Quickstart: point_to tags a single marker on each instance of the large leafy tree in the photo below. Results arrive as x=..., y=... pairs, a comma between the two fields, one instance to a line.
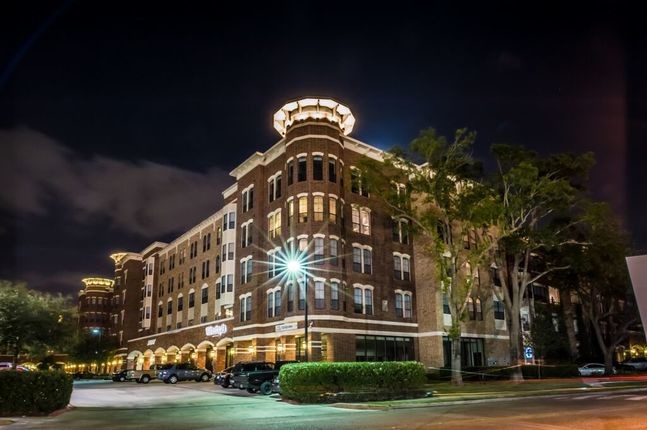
x=33, y=322
x=597, y=274
x=434, y=188
x=92, y=348
x=530, y=191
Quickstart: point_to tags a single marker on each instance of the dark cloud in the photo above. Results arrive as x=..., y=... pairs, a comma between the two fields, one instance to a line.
x=143, y=197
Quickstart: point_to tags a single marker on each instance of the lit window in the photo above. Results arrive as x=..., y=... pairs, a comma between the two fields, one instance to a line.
x=303, y=209
x=318, y=208
x=361, y=218
x=332, y=210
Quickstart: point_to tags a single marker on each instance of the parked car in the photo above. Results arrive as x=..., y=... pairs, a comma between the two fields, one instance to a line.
x=239, y=374
x=143, y=376
x=262, y=380
x=223, y=378
x=639, y=363
x=9, y=366
x=276, y=383
x=84, y=375
x=121, y=376
x=591, y=369
x=173, y=372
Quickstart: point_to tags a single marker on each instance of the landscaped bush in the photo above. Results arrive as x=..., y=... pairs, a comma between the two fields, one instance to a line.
x=326, y=382
x=33, y=393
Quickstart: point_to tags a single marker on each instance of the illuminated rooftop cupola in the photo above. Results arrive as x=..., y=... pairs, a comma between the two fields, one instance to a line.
x=98, y=283
x=314, y=108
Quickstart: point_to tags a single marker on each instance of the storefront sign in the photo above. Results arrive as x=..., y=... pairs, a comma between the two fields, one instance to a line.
x=286, y=327
x=150, y=342
x=216, y=330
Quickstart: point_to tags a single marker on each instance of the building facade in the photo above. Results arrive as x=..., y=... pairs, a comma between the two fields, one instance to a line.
x=95, y=305
x=222, y=292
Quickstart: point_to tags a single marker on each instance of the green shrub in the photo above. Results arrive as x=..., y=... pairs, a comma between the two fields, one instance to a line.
x=320, y=382
x=529, y=371
x=33, y=393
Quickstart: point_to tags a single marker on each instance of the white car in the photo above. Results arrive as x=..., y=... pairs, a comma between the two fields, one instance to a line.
x=591, y=369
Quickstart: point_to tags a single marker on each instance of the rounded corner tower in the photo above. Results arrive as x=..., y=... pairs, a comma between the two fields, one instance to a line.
x=315, y=109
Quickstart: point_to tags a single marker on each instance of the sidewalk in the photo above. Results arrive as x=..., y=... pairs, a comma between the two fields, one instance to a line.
x=445, y=393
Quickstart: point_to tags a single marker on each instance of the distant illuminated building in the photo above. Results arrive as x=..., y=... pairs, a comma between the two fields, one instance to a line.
x=94, y=305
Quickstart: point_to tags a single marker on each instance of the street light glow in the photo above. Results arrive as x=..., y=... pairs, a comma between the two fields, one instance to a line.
x=294, y=266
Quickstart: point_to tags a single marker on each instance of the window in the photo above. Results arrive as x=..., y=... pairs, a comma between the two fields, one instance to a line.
x=271, y=263
x=403, y=304
x=191, y=299
x=192, y=274
x=303, y=209
x=478, y=309
x=274, y=224
x=246, y=270
x=334, y=252
x=230, y=283
x=171, y=264
x=205, y=295
x=317, y=168
x=217, y=264
x=218, y=235
x=302, y=294
x=319, y=295
x=274, y=303
x=446, y=309
x=246, y=308
x=357, y=259
x=205, y=269
x=230, y=251
x=274, y=187
x=363, y=300
x=270, y=304
x=332, y=170
x=247, y=199
x=290, y=169
x=160, y=310
x=361, y=217
x=401, y=231
x=224, y=252
x=332, y=210
x=180, y=303
x=334, y=295
x=182, y=255
x=358, y=183
x=383, y=348
x=246, y=234
x=319, y=251
x=401, y=267
x=169, y=307
x=302, y=169
x=277, y=302
x=225, y=222
x=318, y=208
x=232, y=220
x=290, y=288
x=291, y=212
x=499, y=310
x=206, y=242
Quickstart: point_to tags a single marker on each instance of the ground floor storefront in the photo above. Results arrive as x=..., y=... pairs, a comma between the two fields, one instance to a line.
x=222, y=343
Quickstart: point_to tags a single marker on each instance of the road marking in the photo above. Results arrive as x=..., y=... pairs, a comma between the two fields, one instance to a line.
x=636, y=398
x=583, y=397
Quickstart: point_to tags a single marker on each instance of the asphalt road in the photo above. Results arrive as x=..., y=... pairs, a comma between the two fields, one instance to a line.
x=193, y=405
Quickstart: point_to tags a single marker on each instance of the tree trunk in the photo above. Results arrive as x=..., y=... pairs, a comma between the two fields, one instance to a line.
x=569, y=322
x=608, y=361
x=457, y=376
x=516, y=358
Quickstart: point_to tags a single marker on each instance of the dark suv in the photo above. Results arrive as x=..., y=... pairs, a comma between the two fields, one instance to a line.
x=241, y=370
x=172, y=373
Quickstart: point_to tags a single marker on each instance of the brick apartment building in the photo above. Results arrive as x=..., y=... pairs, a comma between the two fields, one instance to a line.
x=95, y=305
x=219, y=293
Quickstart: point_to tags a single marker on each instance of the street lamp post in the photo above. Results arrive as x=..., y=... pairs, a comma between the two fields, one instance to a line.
x=295, y=268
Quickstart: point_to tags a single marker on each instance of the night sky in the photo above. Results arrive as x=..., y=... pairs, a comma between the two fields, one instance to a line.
x=119, y=122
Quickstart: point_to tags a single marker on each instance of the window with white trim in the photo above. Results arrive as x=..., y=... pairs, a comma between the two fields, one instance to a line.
x=318, y=208
x=246, y=234
x=302, y=169
x=205, y=294
x=332, y=210
x=247, y=199
x=358, y=184
x=274, y=302
x=274, y=224
x=361, y=217
x=180, y=303
x=303, y=209
x=290, y=212
x=401, y=267
x=317, y=168
x=332, y=169
x=319, y=250
x=334, y=295
x=362, y=259
x=246, y=270
x=403, y=304
x=290, y=169
x=191, y=299
x=274, y=187
x=230, y=283
x=246, y=307
x=230, y=251
x=290, y=288
x=363, y=299
x=320, y=296
x=271, y=263
x=401, y=230
x=334, y=252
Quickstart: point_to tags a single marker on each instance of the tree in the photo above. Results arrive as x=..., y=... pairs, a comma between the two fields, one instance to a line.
x=446, y=208
x=597, y=274
x=530, y=191
x=547, y=332
x=92, y=348
x=33, y=322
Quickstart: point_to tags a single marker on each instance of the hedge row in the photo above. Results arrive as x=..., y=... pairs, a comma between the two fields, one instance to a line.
x=33, y=393
x=325, y=382
x=529, y=371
